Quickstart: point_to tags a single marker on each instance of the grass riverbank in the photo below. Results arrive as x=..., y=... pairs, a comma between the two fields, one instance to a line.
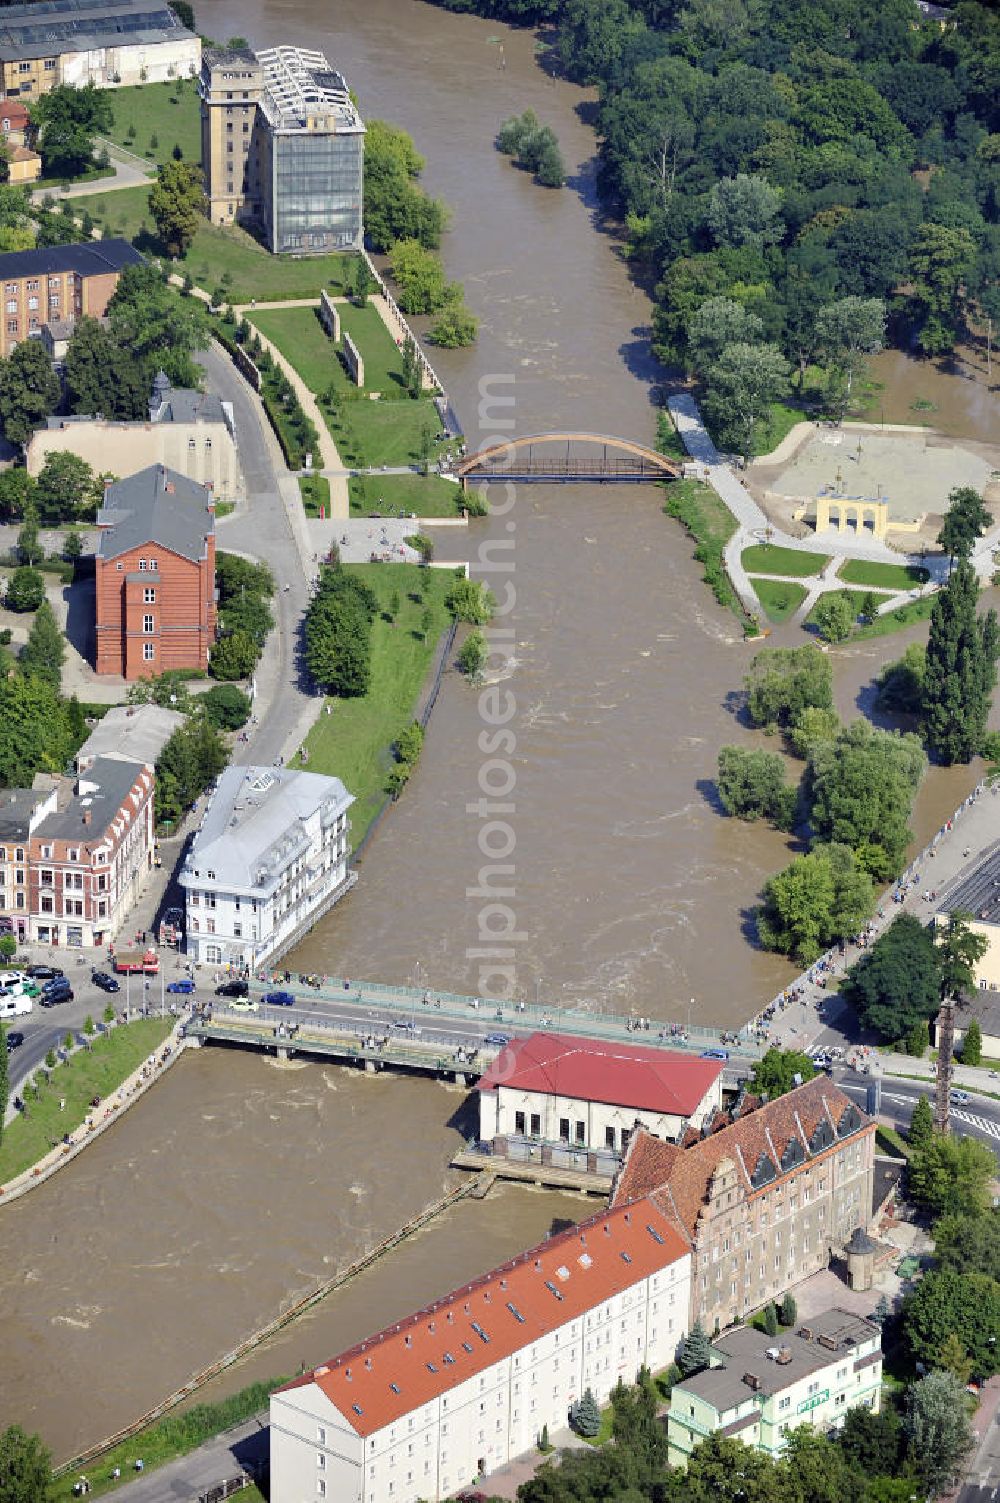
x=711, y=524
x=97, y=1071
x=174, y=1435
x=354, y=740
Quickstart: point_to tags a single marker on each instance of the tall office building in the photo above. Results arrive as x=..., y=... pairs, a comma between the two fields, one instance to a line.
x=282, y=148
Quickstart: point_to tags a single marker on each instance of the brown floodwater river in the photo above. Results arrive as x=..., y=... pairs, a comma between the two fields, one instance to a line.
x=236, y=1185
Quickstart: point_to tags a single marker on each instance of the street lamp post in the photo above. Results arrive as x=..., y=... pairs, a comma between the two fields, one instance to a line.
x=128, y=996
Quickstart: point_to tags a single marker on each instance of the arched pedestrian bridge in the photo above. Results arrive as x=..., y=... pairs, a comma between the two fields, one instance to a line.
x=559, y=458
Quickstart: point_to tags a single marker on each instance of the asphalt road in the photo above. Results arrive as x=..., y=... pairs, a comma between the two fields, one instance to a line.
x=978, y=1118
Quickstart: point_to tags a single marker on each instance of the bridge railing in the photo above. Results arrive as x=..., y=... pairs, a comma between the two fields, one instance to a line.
x=519, y=1015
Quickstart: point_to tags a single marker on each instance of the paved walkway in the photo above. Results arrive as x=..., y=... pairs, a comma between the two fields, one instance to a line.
x=754, y=526
x=127, y=174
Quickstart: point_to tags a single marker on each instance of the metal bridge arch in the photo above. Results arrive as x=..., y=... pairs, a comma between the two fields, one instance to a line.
x=498, y=460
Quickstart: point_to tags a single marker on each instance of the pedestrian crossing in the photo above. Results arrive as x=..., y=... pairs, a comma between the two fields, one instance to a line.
x=982, y=1124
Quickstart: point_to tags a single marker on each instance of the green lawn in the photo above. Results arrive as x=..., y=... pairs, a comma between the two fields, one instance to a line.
x=710, y=523
x=95, y=1072
x=388, y=495
x=779, y=422
x=877, y=576
x=315, y=493
x=765, y=558
x=779, y=598
x=255, y=273
x=168, y=111
x=353, y=742
x=391, y=433
x=882, y=626
x=301, y=338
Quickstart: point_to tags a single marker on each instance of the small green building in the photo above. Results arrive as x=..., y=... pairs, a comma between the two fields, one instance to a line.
x=760, y=1387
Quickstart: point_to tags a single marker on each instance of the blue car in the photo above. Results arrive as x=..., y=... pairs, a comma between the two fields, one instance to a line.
x=185, y=985
x=279, y=999
x=715, y=1054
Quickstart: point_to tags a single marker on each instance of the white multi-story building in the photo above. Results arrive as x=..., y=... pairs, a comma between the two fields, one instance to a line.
x=593, y=1094
x=460, y=1388
x=269, y=859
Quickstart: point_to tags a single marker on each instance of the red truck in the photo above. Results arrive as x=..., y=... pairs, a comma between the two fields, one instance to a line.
x=136, y=962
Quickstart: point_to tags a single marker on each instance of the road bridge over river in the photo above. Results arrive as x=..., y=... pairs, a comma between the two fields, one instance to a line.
x=409, y=1028
x=560, y=458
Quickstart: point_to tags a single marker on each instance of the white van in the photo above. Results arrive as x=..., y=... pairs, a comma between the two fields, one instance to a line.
x=14, y=1006
x=12, y=981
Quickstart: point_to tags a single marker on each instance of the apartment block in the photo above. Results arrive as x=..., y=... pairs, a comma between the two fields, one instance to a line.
x=443, y=1398
x=763, y=1200
x=21, y=810
x=89, y=856
x=58, y=283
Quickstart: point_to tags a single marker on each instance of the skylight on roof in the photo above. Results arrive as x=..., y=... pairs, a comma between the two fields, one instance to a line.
x=480, y=1332
x=625, y=1258
x=562, y=1272
x=515, y=1312
x=449, y=1359
x=467, y=1346
x=431, y=1368
x=394, y=1387
x=655, y=1235
x=357, y=1409
x=552, y=1289
x=585, y=1260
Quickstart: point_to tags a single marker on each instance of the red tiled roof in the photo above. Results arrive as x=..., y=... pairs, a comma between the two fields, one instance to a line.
x=14, y=113
x=679, y=1178
x=469, y=1330
x=656, y=1080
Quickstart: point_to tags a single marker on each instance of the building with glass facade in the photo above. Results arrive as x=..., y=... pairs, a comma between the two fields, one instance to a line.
x=283, y=147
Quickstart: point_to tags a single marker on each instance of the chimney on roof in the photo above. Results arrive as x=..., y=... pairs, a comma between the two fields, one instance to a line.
x=408, y=1340
x=607, y=1230
x=430, y=1325
x=538, y=1265
x=628, y=1217
x=347, y=1373
x=368, y=1364
x=503, y=1283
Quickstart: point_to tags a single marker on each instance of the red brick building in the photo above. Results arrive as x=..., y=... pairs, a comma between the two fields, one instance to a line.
x=155, y=575
x=58, y=284
x=88, y=858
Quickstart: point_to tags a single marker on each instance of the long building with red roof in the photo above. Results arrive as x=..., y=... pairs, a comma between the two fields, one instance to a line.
x=593, y=1093
x=455, y=1391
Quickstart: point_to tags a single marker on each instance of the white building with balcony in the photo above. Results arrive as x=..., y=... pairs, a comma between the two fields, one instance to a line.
x=269, y=859
x=455, y=1391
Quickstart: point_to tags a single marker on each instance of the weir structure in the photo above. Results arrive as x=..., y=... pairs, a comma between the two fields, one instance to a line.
x=555, y=459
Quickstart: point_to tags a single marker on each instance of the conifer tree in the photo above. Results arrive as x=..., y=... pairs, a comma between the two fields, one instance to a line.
x=972, y=1044
x=44, y=651
x=961, y=669
x=921, y=1124
x=587, y=1415
x=696, y=1353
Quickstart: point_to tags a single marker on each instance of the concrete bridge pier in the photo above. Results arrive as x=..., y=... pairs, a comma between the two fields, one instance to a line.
x=461, y=1079
x=283, y=1052
x=371, y=1066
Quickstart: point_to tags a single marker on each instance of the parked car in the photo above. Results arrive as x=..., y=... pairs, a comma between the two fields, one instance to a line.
x=184, y=985
x=56, y=991
x=243, y=1004
x=106, y=981
x=406, y=1025
x=715, y=1054
x=43, y=972
x=173, y=916
x=233, y=989
x=14, y=1039
x=958, y=1098
x=497, y=1038
x=279, y=999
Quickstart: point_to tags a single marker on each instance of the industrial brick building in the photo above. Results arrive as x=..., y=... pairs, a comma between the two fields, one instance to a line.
x=282, y=148
x=58, y=284
x=155, y=574
x=99, y=42
x=763, y=1200
x=89, y=856
x=455, y=1391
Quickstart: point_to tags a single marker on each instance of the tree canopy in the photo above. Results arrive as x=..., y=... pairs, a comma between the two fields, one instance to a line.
x=896, y=983
x=784, y=681
x=817, y=900
x=862, y=787
x=776, y=1073
x=960, y=669
x=752, y=785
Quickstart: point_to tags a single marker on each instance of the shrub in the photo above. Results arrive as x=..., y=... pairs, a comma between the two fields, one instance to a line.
x=226, y=707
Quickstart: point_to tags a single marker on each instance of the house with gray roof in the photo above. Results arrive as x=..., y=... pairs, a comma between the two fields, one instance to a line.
x=269, y=859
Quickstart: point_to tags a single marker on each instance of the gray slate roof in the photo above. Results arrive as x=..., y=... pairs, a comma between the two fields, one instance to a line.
x=744, y=1350
x=181, y=404
x=253, y=825
x=94, y=259
x=114, y=781
x=16, y=805
x=976, y=891
x=156, y=506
